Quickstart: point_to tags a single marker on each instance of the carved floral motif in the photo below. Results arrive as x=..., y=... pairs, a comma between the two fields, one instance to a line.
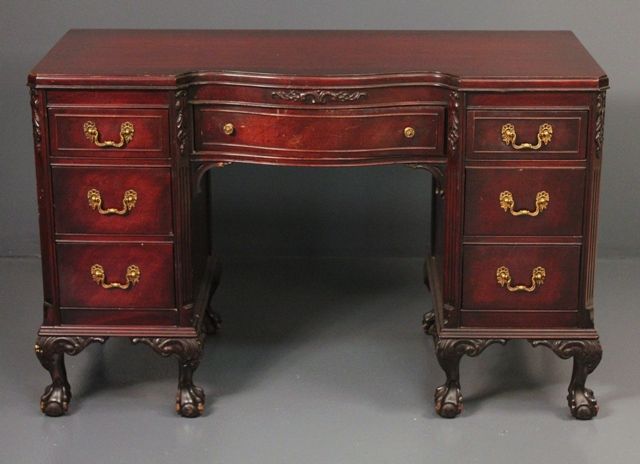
x=453, y=135
x=35, y=112
x=320, y=97
x=600, y=110
x=181, y=130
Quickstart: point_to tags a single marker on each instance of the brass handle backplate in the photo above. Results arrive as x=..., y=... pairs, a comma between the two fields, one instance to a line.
x=126, y=135
x=132, y=277
x=545, y=132
x=503, y=277
x=507, y=203
x=128, y=202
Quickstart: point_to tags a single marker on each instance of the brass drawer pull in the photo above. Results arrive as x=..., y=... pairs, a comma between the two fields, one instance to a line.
x=507, y=203
x=503, y=277
x=126, y=135
x=128, y=202
x=409, y=132
x=545, y=132
x=132, y=277
x=228, y=128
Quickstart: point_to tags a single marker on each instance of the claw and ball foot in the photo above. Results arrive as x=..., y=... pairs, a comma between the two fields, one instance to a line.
x=586, y=356
x=448, y=400
x=50, y=352
x=449, y=351
x=190, y=398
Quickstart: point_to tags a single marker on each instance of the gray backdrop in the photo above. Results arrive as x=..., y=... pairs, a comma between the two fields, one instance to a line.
x=366, y=211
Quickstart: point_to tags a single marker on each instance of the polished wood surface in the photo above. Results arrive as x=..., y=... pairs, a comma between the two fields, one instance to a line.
x=336, y=134
x=559, y=290
x=74, y=215
x=479, y=58
x=508, y=124
x=568, y=140
x=154, y=290
x=149, y=138
x=484, y=215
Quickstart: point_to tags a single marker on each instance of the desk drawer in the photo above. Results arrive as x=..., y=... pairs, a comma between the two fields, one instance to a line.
x=112, y=200
x=524, y=201
x=532, y=277
x=334, y=134
x=139, y=275
x=530, y=134
x=109, y=133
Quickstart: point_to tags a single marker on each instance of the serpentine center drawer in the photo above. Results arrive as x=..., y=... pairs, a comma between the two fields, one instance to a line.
x=110, y=200
x=520, y=277
x=116, y=275
x=527, y=134
x=524, y=201
x=353, y=133
x=110, y=133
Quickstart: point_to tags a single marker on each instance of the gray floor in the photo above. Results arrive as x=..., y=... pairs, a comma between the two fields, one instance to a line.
x=322, y=362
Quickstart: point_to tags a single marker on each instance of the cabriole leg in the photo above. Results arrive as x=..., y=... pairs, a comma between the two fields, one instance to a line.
x=586, y=357
x=50, y=352
x=190, y=398
x=449, y=351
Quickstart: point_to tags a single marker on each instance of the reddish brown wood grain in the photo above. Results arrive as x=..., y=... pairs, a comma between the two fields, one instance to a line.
x=150, y=138
x=321, y=133
x=562, y=216
x=118, y=317
x=485, y=134
x=376, y=91
x=521, y=319
x=318, y=98
x=154, y=290
x=481, y=59
x=73, y=215
x=236, y=76
x=480, y=289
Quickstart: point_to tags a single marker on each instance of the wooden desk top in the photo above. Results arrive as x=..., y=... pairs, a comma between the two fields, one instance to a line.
x=467, y=59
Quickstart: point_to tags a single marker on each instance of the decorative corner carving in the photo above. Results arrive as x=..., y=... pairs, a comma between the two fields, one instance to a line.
x=319, y=97
x=181, y=129
x=453, y=135
x=184, y=348
x=429, y=323
x=586, y=356
x=601, y=102
x=50, y=351
x=448, y=314
x=472, y=347
x=47, y=345
x=190, y=398
x=36, y=109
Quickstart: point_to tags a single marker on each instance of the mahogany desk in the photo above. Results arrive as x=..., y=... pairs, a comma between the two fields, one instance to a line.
x=509, y=124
